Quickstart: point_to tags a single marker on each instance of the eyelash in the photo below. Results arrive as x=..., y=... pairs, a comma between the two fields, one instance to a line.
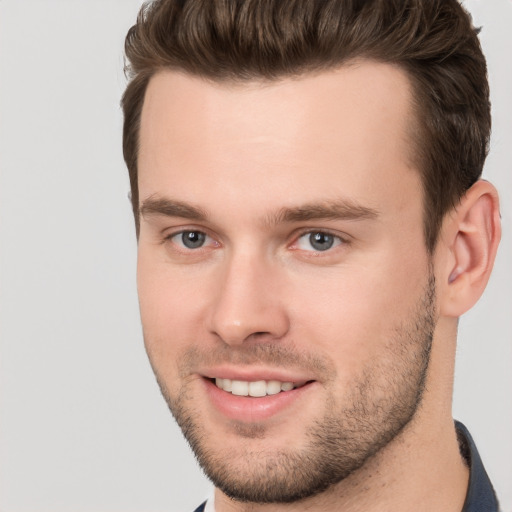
x=337, y=240
x=170, y=236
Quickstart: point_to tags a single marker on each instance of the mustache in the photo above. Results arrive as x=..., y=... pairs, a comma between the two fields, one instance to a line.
x=269, y=354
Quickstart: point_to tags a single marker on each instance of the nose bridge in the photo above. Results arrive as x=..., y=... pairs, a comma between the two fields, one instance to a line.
x=248, y=301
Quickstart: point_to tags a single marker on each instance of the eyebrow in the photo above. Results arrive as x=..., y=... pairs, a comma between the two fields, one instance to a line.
x=323, y=210
x=171, y=208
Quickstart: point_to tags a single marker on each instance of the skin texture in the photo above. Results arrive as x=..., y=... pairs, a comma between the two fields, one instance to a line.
x=369, y=323
x=382, y=399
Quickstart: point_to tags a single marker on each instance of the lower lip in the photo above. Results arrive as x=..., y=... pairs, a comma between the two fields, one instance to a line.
x=250, y=409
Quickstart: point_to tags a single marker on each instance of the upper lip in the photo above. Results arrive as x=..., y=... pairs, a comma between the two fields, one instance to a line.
x=253, y=374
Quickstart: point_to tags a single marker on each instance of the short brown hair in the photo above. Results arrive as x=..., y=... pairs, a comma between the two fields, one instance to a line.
x=434, y=41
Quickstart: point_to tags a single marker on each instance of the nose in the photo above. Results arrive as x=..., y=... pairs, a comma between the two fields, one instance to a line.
x=249, y=304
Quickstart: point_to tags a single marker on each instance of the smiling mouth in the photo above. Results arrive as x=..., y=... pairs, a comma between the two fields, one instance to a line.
x=256, y=389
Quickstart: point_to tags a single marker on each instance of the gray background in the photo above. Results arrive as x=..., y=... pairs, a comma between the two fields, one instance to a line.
x=82, y=424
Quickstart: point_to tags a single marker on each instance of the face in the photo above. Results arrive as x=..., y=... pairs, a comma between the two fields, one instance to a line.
x=285, y=291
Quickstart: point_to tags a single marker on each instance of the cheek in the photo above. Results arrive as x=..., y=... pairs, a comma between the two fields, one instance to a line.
x=353, y=316
x=170, y=308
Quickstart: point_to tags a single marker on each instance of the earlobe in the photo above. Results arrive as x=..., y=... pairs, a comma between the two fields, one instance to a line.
x=474, y=232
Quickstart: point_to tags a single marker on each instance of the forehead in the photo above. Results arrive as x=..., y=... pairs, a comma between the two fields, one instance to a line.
x=345, y=131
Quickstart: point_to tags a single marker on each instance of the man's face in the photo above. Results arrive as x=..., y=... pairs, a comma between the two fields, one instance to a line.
x=281, y=245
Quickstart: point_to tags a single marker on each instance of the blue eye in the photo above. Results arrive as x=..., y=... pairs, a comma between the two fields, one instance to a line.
x=318, y=241
x=190, y=239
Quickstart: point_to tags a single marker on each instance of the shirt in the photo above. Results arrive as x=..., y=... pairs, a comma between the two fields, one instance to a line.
x=480, y=496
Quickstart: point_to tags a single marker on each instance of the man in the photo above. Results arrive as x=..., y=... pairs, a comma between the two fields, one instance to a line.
x=311, y=224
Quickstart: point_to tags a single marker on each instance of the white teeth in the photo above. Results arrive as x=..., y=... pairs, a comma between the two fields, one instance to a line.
x=273, y=387
x=257, y=388
x=224, y=384
x=239, y=388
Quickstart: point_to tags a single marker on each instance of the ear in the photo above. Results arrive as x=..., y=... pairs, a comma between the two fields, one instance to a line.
x=471, y=234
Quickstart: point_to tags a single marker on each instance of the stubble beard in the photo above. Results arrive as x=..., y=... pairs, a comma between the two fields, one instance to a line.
x=384, y=399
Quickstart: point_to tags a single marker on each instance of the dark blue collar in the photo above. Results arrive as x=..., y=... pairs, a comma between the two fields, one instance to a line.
x=480, y=496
